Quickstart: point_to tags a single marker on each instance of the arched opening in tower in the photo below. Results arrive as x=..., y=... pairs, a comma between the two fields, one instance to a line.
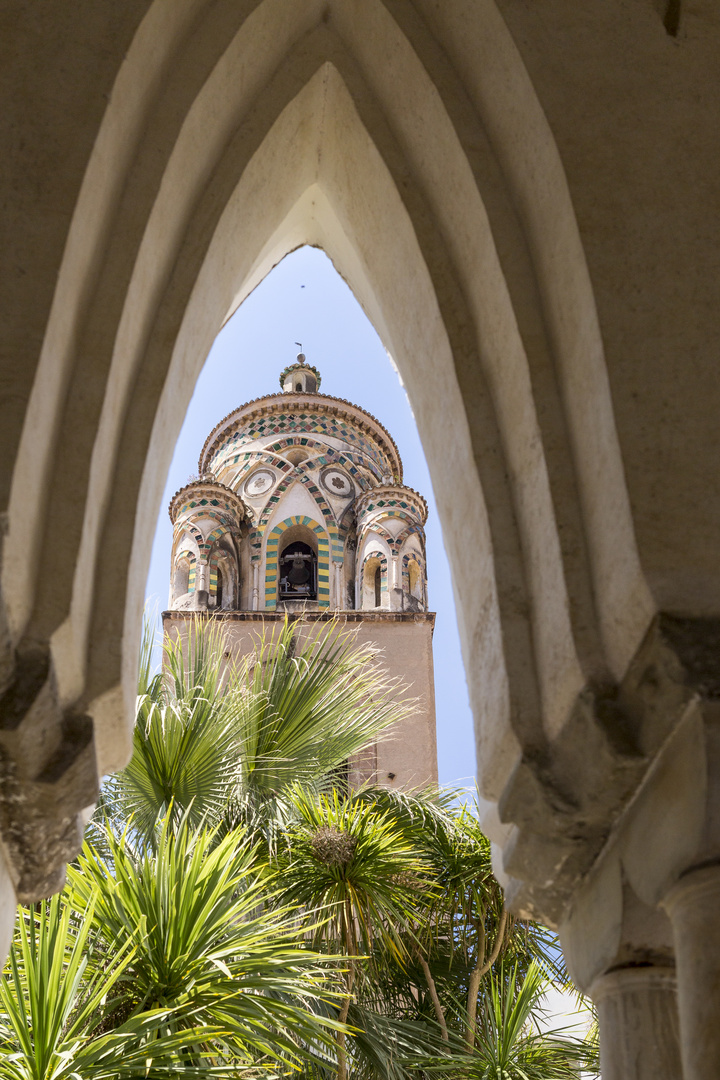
x=297, y=572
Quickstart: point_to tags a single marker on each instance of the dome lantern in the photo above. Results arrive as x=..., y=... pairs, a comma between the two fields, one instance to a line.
x=300, y=377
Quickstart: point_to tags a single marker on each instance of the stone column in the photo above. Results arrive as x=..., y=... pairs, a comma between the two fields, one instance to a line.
x=394, y=590
x=637, y=1011
x=693, y=905
x=202, y=584
x=255, y=586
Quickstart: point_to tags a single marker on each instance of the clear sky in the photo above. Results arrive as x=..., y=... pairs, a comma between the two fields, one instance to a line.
x=305, y=300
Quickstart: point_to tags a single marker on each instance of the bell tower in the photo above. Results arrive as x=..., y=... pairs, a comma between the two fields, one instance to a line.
x=299, y=511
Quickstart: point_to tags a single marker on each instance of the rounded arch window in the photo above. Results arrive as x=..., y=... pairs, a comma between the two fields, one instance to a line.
x=297, y=572
x=373, y=581
x=181, y=577
x=415, y=581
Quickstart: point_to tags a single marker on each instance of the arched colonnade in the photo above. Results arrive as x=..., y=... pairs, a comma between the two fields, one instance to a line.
x=407, y=140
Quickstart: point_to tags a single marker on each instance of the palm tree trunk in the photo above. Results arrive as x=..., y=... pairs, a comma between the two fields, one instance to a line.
x=439, y=1012
x=340, y=1037
x=481, y=968
x=351, y=950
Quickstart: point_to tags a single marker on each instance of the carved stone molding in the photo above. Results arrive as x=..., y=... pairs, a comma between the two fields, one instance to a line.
x=567, y=796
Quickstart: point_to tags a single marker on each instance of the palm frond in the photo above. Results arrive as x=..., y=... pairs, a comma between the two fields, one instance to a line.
x=204, y=940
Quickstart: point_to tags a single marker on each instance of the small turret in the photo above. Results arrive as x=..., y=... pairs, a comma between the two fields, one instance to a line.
x=207, y=518
x=300, y=377
x=390, y=563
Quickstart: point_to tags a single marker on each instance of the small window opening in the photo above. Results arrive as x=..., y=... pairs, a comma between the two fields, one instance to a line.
x=298, y=572
x=378, y=586
x=219, y=590
x=298, y=386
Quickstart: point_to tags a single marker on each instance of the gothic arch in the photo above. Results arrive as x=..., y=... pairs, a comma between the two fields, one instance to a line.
x=313, y=145
x=211, y=538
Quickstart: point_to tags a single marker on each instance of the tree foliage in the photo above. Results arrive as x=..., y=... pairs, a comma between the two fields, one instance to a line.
x=237, y=909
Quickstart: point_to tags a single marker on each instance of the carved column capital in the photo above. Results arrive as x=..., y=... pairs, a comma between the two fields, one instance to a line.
x=48, y=775
x=569, y=796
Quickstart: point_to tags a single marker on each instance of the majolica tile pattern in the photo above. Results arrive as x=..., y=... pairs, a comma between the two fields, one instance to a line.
x=298, y=500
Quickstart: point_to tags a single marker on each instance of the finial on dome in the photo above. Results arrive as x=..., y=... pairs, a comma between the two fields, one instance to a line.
x=300, y=377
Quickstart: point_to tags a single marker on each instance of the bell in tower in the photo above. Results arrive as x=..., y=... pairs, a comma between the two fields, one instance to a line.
x=298, y=566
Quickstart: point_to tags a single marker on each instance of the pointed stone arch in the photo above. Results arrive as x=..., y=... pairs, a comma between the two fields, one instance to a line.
x=184, y=527
x=423, y=164
x=211, y=538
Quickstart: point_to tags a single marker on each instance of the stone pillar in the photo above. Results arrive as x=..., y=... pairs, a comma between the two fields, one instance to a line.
x=693, y=905
x=394, y=590
x=637, y=1011
x=202, y=584
x=255, y=586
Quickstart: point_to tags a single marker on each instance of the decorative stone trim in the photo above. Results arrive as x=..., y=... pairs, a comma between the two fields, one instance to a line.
x=307, y=615
x=202, y=493
x=293, y=402
x=392, y=499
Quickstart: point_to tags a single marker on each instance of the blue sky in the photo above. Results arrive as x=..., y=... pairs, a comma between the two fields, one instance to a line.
x=304, y=299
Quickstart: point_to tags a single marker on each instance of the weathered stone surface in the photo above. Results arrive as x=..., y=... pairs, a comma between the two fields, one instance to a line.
x=639, y=1030
x=568, y=796
x=47, y=776
x=693, y=906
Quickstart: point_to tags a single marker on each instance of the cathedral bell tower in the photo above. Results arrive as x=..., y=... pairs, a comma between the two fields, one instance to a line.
x=299, y=510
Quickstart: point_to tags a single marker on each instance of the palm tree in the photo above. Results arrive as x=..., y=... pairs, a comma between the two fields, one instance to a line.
x=350, y=859
x=196, y=917
x=234, y=788
x=224, y=741
x=57, y=994
x=421, y=1005
x=509, y=1043
x=463, y=927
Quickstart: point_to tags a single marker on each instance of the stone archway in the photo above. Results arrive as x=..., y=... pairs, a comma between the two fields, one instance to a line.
x=407, y=139
x=316, y=145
